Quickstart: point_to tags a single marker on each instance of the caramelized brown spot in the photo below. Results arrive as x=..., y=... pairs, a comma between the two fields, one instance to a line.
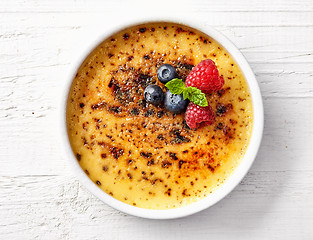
x=180, y=163
x=142, y=30
x=116, y=153
x=146, y=154
x=149, y=112
x=160, y=137
x=168, y=192
x=134, y=112
x=151, y=162
x=126, y=36
x=173, y=156
x=241, y=99
x=177, y=137
x=221, y=109
x=166, y=164
x=98, y=105
x=160, y=114
x=211, y=168
x=220, y=126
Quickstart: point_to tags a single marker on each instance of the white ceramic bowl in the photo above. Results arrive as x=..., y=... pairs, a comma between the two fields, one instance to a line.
x=229, y=184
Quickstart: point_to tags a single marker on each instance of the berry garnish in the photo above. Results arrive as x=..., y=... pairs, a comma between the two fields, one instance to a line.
x=196, y=115
x=177, y=86
x=175, y=103
x=205, y=76
x=166, y=73
x=154, y=94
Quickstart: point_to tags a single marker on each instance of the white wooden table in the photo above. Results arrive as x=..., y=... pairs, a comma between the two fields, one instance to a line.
x=40, y=198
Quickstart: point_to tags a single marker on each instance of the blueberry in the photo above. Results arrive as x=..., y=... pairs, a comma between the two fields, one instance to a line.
x=154, y=94
x=175, y=103
x=166, y=73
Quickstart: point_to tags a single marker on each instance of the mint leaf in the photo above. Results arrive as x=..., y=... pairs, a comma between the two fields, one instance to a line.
x=176, y=86
x=186, y=94
x=199, y=99
x=189, y=91
x=196, y=96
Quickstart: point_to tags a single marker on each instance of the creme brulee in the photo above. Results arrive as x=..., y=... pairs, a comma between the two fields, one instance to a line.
x=142, y=154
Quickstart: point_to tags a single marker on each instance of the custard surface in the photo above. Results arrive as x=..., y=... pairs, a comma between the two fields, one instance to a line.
x=142, y=154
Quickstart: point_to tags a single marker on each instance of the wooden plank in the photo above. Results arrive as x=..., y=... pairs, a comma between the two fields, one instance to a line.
x=196, y=5
x=230, y=19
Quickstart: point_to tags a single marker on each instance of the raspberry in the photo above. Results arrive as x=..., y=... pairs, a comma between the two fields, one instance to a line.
x=205, y=77
x=196, y=115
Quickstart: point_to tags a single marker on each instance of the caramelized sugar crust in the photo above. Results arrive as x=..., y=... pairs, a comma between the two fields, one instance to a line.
x=142, y=154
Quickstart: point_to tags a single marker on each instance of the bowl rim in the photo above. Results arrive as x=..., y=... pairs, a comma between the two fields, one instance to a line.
x=231, y=182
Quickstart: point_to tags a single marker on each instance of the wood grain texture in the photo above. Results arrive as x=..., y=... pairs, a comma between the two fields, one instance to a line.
x=40, y=198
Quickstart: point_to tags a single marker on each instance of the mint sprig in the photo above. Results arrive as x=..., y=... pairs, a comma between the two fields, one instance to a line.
x=177, y=86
